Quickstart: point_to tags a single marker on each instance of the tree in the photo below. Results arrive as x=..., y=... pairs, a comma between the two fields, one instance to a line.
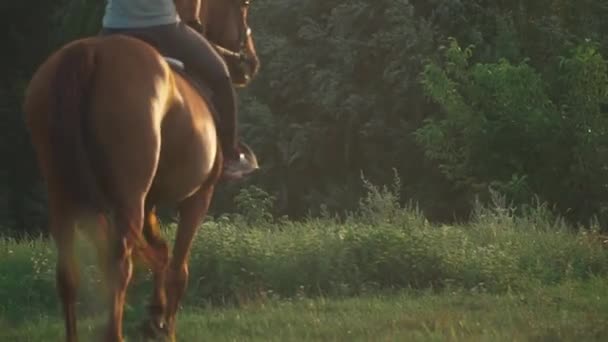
x=503, y=125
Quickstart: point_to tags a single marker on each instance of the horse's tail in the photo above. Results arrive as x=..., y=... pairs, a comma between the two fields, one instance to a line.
x=70, y=139
x=75, y=153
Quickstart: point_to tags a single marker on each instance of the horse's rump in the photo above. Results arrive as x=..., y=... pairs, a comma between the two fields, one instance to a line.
x=96, y=110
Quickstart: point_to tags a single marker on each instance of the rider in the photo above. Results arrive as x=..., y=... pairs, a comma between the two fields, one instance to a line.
x=158, y=23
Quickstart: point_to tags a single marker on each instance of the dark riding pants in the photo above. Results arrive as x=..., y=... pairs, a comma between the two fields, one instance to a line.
x=200, y=58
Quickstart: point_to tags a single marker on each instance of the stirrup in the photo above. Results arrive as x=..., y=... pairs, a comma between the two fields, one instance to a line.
x=249, y=155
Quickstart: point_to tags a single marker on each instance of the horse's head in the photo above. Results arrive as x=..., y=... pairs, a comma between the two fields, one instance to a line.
x=226, y=26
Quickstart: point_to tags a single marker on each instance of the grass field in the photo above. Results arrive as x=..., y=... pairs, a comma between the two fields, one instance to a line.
x=570, y=312
x=384, y=274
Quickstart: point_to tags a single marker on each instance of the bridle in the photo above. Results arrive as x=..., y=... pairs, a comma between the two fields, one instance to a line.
x=244, y=34
x=241, y=54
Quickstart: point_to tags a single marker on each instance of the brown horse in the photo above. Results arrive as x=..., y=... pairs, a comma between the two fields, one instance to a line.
x=118, y=131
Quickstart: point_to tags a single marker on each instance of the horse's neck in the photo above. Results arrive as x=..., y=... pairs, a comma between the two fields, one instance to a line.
x=204, y=15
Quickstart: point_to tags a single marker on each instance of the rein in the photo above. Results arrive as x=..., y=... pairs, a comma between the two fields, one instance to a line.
x=240, y=55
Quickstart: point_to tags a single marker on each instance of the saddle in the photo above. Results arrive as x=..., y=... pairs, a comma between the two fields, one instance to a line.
x=201, y=87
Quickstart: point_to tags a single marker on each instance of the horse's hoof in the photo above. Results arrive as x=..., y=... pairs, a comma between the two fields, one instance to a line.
x=155, y=331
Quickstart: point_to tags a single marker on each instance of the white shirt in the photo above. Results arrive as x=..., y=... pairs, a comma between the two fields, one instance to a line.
x=139, y=13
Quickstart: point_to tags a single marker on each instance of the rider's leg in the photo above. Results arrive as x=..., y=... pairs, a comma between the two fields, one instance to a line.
x=200, y=58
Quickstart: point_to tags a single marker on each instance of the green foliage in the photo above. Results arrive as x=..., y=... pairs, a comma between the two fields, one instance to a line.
x=322, y=108
x=254, y=205
x=328, y=113
x=496, y=118
x=501, y=126
x=498, y=251
x=381, y=205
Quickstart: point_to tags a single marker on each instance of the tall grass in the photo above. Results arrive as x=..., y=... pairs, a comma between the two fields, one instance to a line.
x=381, y=247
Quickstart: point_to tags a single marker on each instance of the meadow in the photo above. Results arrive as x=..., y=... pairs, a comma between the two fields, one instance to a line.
x=381, y=273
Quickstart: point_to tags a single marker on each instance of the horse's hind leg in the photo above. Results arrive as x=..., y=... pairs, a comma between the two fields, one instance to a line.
x=191, y=211
x=120, y=266
x=155, y=326
x=130, y=181
x=62, y=228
